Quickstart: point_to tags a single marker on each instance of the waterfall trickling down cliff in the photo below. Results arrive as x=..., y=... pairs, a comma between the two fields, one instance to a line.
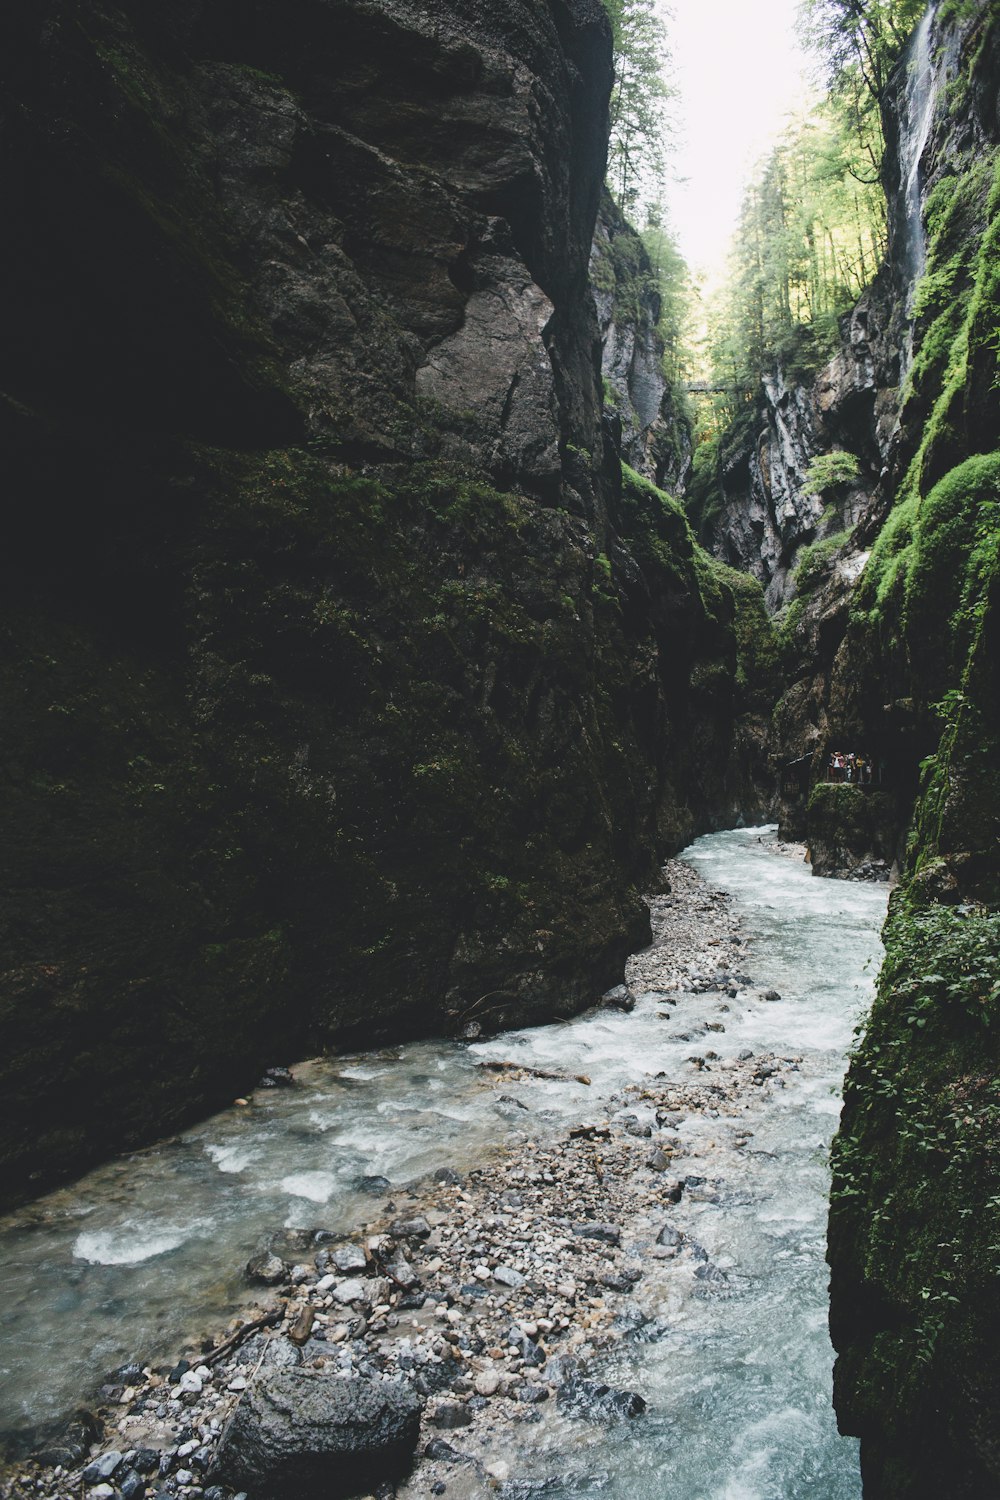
x=920, y=100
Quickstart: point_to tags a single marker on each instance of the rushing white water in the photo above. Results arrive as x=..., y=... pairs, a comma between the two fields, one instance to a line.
x=149, y=1248
x=738, y=1379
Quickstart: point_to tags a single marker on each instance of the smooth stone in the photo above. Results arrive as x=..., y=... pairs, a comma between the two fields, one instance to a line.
x=348, y=1258
x=533, y=1395
x=351, y=1291
x=610, y=1234
x=401, y=1272
x=104, y=1466
x=487, y=1383
x=438, y=1449
x=416, y=1228
x=452, y=1416
x=266, y=1269
x=372, y=1182
x=710, y=1273
x=318, y=1436
x=529, y=1351
x=619, y=998
x=507, y=1276
x=621, y=1281
x=302, y=1327
x=274, y=1353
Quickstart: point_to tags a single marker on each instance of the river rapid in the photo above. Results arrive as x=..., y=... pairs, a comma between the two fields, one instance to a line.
x=148, y=1250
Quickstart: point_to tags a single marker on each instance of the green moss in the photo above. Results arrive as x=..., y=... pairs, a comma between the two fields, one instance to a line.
x=954, y=553
x=758, y=650
x=814, y=562
x=831, y=471
x=915, y=1220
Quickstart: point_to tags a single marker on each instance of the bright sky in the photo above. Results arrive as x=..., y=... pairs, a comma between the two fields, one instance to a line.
x=739, y=71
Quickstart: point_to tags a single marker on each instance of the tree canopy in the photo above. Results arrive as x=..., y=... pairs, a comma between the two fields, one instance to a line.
x=858, y=42
x=639, y=97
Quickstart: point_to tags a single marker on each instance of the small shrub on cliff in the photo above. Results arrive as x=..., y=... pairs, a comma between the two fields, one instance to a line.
x=831, y=471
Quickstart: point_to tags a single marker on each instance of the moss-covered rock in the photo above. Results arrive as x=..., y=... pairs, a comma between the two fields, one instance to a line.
x=347, y=694
x=852, y=831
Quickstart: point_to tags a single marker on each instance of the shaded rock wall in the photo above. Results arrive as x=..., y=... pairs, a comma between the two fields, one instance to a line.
x=338, y=705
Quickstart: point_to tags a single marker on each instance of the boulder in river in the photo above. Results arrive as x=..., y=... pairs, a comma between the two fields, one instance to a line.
x=373, y=1182
x=620, y=998
x=592, y=1398
x=317, y=1437
x=265, y=1269
x=276, y=1078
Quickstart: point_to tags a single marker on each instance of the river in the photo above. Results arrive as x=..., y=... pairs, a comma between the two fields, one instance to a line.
x=148, y=1249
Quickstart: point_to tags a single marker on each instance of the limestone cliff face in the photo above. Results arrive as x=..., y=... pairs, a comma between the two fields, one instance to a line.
x=337, y=705
x=768, y=509
x=651, y=434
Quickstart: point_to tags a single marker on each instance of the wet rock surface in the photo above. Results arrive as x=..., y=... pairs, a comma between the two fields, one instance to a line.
x=317, y=1436
x=471, y=1304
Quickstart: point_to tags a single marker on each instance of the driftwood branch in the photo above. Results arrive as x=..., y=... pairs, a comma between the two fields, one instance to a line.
x=267, y=1321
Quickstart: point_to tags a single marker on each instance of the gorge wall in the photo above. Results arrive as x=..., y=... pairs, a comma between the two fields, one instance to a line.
x=888, y=588
x=349, y=692
x=915, y=1221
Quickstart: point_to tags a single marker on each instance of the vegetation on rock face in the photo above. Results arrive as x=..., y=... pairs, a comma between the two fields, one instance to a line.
x=828, y=471
x=932, y=563
x=915, y=1219
x=813, y=562
x=915, y=1222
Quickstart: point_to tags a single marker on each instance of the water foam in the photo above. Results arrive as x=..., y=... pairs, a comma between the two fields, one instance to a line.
x=130, y=1244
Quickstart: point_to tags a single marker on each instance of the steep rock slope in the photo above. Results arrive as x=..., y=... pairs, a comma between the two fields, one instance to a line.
x=338, y=706
x=915, y=1221
x=653, y=435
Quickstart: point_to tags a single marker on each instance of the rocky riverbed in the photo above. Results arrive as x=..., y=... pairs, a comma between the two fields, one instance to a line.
x=468, y=1306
